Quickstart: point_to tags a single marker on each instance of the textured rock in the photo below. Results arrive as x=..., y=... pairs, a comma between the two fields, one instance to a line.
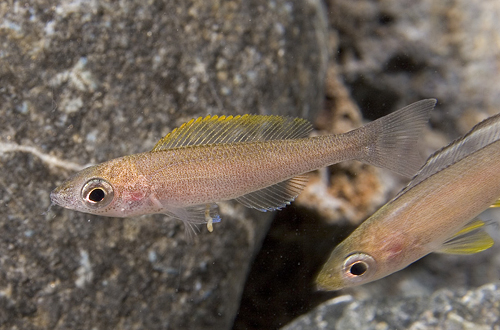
x=445, y=309
x=83, y=82
x=392, y=51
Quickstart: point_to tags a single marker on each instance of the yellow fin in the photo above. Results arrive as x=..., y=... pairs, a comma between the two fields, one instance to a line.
x=496, y=204
x=469, y=240
x=246, y=128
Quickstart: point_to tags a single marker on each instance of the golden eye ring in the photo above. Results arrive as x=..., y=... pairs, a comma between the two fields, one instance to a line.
x=97, y=193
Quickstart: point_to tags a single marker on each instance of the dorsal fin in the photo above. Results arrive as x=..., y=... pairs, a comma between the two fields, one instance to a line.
x=246, y=128
x=483, y=134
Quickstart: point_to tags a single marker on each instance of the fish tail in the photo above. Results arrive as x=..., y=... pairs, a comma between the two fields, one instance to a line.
x=393, y=138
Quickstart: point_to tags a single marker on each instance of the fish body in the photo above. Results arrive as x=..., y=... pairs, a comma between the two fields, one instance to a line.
x=257, y=160
x=436, y=212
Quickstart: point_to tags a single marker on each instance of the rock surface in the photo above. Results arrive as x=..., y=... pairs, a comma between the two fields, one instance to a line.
x=83, y=82
x=445, y=309
x=407, y=50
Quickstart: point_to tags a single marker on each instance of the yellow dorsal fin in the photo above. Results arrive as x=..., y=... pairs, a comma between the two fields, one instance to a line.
x=496, y=204
x=246, y=128
x=469, y=240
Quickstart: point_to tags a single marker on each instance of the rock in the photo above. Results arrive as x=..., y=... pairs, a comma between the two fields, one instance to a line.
x=84, y=82
x=394, y=52
x=445, y=309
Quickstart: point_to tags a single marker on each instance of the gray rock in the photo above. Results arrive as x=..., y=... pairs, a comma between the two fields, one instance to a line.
x=444, y=309
x=84, y=82
x=394, y=52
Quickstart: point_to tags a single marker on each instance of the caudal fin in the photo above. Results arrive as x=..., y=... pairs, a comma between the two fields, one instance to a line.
x=394, y=138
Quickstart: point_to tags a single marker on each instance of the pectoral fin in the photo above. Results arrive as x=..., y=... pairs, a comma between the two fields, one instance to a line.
x=469, y=240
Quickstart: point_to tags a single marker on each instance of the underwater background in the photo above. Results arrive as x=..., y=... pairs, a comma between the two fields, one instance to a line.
x=82, y=82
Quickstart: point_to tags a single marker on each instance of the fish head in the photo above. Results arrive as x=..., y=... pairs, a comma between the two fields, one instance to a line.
x=345, y=269
x=368, y=255
x=111, y=189
x=86, y=191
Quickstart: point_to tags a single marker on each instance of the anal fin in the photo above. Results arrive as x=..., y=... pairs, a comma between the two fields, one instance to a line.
x=469, y=240
x=275, y=197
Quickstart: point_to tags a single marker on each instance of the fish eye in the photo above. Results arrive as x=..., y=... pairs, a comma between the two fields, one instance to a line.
x=358, y=266
x=97, y=193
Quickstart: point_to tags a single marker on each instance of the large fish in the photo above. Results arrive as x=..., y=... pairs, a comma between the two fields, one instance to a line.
x=259, y=161
x=436, y=212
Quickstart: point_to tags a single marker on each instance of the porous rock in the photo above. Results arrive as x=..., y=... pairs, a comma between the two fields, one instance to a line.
x=445, y=309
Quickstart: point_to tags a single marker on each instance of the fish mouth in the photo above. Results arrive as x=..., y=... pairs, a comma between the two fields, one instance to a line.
x=58, y=197
x=55, y=197
x=321, y=287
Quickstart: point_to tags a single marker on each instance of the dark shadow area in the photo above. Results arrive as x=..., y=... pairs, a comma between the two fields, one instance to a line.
x=374, y=101
x=280, y=285
x=404, y=63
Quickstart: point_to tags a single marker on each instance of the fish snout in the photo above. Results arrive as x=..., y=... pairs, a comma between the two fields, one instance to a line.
x=62, y=196
x=55, y=196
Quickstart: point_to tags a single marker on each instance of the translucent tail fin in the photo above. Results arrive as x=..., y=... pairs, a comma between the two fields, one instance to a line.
x=393, y=138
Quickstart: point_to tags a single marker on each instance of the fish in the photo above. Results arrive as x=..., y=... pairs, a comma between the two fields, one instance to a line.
x=436, y=212
x=259, y=161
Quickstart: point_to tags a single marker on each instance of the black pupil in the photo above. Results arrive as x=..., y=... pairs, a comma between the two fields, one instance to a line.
x=97, y=195
x=359, y=268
